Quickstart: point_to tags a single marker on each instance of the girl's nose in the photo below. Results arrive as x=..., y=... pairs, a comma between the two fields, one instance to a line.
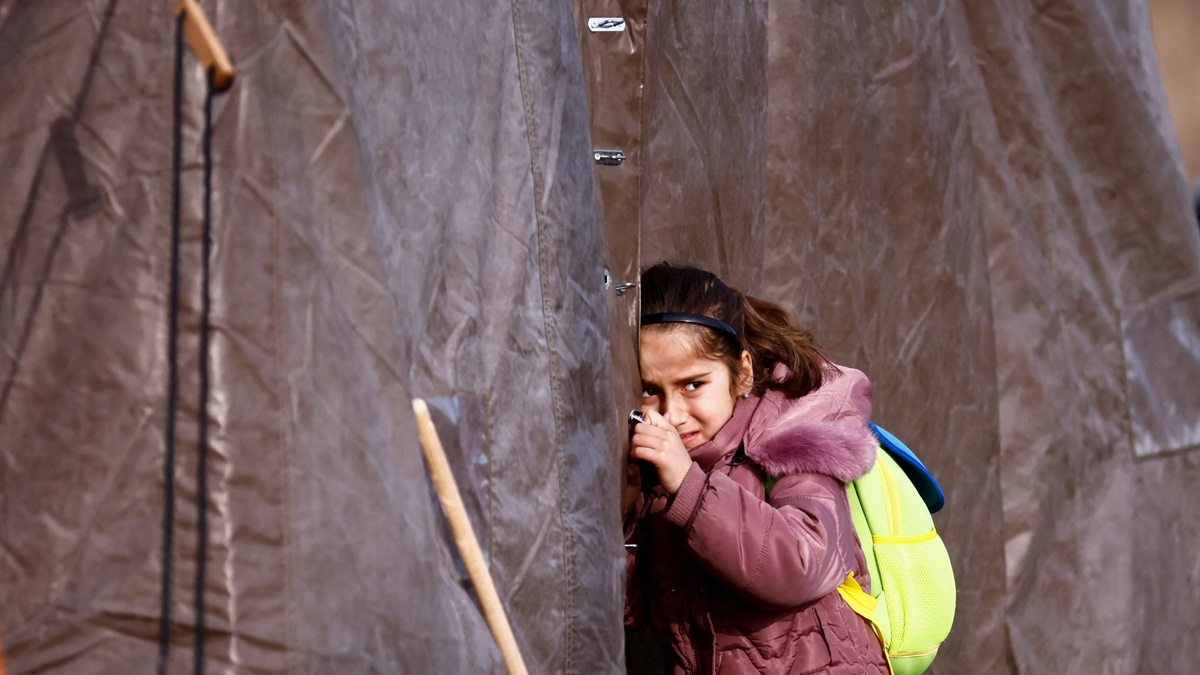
x=673, y=411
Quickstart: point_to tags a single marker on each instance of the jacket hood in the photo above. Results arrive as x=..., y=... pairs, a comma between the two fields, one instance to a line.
x=822, y=432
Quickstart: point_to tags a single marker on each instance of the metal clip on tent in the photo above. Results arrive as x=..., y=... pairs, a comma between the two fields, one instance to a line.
x=606, y=24
x=464, y=538
x=609, y=157
x=203, y=40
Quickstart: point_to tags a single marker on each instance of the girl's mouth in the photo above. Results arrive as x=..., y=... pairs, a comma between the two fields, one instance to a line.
x=688, y=438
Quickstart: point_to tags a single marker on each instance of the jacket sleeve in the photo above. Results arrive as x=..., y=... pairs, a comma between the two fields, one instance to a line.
x=780, y=554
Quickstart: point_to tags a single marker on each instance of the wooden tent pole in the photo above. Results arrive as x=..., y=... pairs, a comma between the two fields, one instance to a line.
x=203, y=40
x=464, y=538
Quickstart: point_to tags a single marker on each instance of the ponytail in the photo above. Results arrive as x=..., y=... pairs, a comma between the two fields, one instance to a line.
x=773, y=337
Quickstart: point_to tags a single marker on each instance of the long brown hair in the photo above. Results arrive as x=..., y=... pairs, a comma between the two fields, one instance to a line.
x=763, y=328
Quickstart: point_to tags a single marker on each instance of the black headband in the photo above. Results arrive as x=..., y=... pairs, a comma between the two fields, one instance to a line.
x=680, y=317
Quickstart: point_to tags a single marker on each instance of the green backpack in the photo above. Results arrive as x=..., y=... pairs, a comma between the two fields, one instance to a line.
x=912, y=599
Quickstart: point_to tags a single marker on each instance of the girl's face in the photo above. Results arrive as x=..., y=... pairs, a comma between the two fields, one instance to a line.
x=695, y=392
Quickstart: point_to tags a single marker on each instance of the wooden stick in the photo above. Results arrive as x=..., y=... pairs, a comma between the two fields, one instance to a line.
x=464, y=538
x=203, y=40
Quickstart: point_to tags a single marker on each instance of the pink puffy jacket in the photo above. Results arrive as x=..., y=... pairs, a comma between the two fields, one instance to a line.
x=734, y=584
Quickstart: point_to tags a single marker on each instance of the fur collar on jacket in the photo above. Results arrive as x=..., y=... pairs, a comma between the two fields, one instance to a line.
x=823, y=432
x=844, y=451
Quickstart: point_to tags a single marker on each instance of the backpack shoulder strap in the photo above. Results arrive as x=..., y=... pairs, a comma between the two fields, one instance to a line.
x=859, y=517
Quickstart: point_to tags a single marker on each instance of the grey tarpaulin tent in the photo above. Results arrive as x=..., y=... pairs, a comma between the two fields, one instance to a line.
x=980, y=204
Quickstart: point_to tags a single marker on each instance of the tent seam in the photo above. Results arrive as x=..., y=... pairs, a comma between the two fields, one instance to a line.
x=550, y=327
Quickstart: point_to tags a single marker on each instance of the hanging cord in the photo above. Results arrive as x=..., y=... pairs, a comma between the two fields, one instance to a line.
x=168, y=526
x=192, y=24
x=205, y=314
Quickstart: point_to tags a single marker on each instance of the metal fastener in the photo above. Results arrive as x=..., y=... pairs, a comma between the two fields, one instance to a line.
x=602, y=24
x=609, y=157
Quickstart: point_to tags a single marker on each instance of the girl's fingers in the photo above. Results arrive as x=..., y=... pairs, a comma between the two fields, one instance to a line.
x=656, y=419
x=656, y=422
x=654, y=444
x=650, y=437
x=648, y=451
x=645, y=453
x=658, y=444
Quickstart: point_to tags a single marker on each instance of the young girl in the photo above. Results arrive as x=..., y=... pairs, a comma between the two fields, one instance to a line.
x=731, y=579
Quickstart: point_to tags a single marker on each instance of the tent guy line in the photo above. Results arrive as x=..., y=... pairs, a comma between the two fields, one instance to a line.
x=190, y=21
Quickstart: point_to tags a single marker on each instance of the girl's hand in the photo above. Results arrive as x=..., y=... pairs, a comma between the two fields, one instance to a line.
x=658, y=443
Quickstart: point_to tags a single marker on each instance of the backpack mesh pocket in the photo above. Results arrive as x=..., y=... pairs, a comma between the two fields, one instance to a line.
x=920, y=594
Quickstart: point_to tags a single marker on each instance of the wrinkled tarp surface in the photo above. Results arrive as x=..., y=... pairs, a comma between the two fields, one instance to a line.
x=981, y=205
x=396, y=214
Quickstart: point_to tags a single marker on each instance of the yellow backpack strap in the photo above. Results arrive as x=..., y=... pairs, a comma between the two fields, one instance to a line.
x=859, y=600
x=863, y=605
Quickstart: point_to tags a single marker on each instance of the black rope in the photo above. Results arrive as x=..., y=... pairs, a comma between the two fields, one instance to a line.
x=168, y=531
x=205, y=313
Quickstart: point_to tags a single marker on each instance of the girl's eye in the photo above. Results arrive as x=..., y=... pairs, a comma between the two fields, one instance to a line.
x=693, y=386
x=649, y=392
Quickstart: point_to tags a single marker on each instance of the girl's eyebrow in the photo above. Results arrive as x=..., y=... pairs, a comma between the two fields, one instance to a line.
x=686, y=379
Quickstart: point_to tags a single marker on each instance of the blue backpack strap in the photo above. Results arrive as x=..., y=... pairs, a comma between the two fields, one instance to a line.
x=927, y=486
